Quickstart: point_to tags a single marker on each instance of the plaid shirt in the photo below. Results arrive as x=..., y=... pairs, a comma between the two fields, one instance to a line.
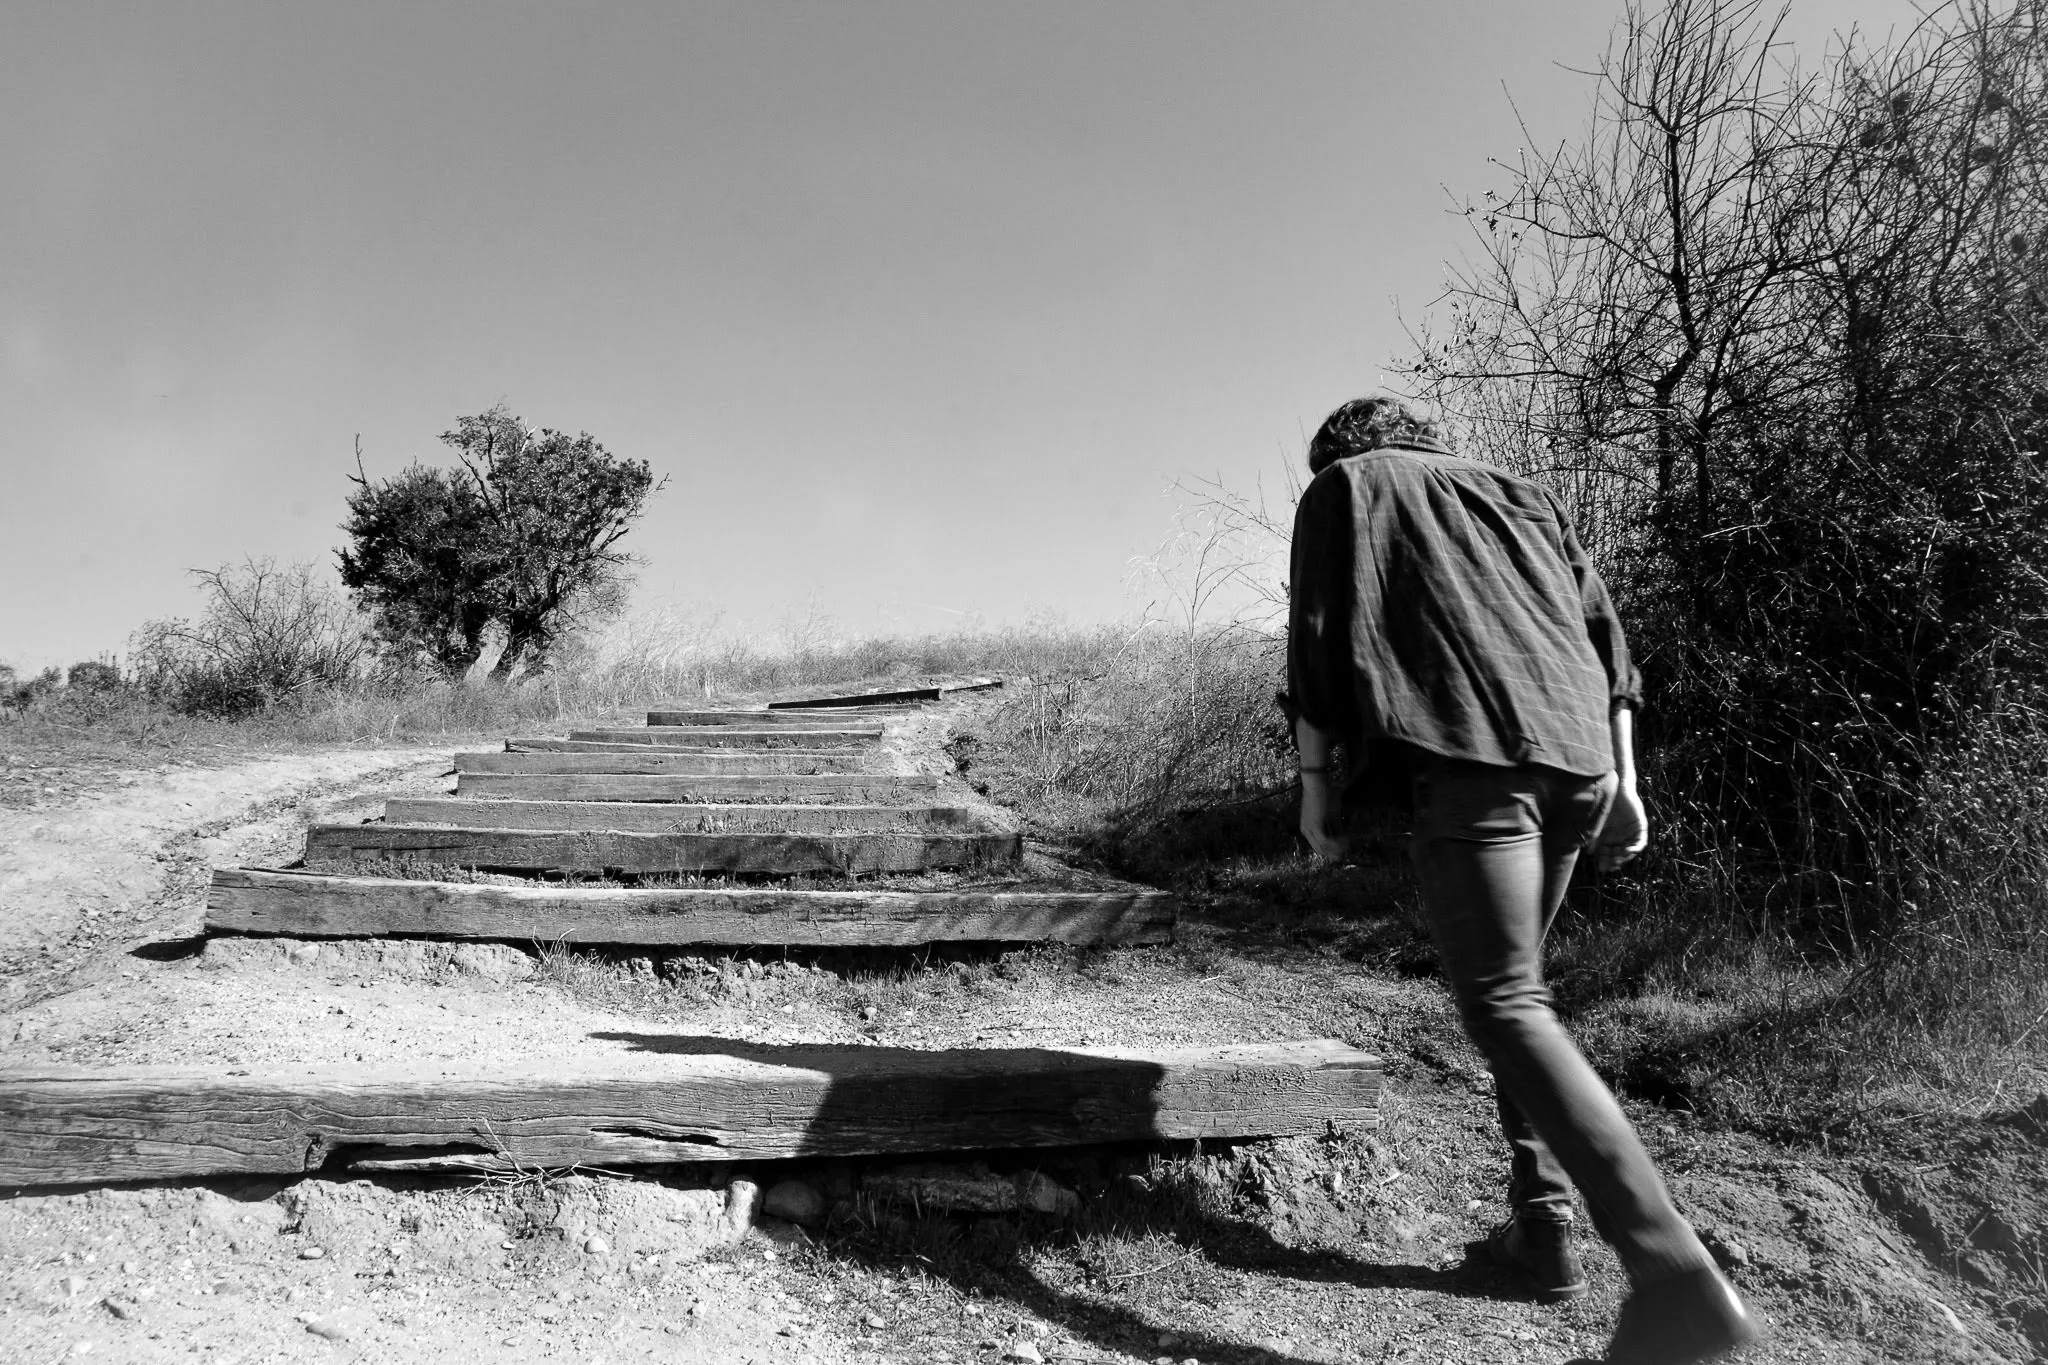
x=1447, y=605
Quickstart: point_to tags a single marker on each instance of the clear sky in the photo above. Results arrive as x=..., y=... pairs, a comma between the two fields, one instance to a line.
x=919, y=306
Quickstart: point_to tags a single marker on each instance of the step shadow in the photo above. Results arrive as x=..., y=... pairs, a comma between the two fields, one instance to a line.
x=1004, y=1269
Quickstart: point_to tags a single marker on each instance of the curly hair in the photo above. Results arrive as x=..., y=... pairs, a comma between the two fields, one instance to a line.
x=1378, y=419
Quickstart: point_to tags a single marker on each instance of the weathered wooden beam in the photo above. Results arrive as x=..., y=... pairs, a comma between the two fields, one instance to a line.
x=732, y=737
x=311, y=905
x=666, y=785
x=530, y=850
x=677, y=818
x=665, y=1097
x=637, y=758
x=784, y=719
x=885, y=698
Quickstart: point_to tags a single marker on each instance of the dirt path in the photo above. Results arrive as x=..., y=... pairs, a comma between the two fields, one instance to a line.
x=1344, y=1249
x=99, y=871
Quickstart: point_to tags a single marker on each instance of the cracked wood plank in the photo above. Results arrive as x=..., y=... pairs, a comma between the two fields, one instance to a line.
x=731, y=737
x=779, y=720
x=677, y=818
x=668, y=785
x=908, y=694
x=658, y=1096
x=315, y=905
x=600, y=851
x=561, y=756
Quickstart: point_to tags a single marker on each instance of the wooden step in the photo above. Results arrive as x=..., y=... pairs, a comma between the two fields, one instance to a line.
x=636, y=758
x=732, y=737
x=780, y=720
x=601, y=851
x=658, y=1097
x=908, y=694
x=312, y=905
x=668, y=785
x=677, y=818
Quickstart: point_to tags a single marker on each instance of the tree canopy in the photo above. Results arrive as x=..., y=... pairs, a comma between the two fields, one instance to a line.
x=521, y=534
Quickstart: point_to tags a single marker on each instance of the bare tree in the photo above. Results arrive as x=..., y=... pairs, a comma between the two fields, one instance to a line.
x=1776, y=337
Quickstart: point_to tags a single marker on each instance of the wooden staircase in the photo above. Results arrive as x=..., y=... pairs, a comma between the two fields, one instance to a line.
x=733, y=828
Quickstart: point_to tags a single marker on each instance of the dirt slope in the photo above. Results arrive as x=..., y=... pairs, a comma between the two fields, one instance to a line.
x=1347, y=1248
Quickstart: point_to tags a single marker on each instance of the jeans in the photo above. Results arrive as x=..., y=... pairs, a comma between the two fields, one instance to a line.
x=1494, y=850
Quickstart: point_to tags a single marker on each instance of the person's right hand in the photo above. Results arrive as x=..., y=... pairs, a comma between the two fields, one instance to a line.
x=1626, y=831
x=1320, y=822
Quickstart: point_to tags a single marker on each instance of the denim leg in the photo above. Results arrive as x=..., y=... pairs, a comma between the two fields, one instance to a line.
x=1538, y=1188
x=1489, y=875
x=1537, y=1185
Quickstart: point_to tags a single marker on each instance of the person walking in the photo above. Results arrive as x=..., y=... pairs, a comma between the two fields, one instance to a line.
x=1448, y=631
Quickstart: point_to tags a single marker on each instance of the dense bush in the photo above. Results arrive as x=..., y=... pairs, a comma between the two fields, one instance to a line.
x=1777, y=337
x=93, y=676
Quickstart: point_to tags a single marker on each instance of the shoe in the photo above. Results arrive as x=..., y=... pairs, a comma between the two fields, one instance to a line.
x=1541, y=1248
x=1691, y=1316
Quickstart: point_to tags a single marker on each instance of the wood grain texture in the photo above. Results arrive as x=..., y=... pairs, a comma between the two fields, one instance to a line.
x=530, y=850
x=310, y=905
x=667, y=785
x=664, y=1097
x=565, y=756
x=677, y=818
x=780, y=720
x=732, y=737
x=908, y=694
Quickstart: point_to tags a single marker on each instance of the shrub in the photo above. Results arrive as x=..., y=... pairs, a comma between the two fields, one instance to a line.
x=93, y=676
x=267, y=637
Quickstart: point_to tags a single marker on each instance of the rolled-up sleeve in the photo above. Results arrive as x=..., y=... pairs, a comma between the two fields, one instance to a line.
x=1320, y=590
x=1603, y=623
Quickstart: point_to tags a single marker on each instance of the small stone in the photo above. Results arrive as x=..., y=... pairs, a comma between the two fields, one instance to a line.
x=875, y=1321
x=596, y=1246
x=305, y=955
x=767, y=1253
x=332, y=1331
x=1039, y=1191
x=74, y=1285
x=1730, y=1254
x=867, y=1014
x=972, y=1310
x=312, y=1253
x=130, y=1267
x=120, y=1308
x=1024, y=1350
x=81, y=1348
x=1166, y=1339
x=507, y=1246
x=795, y=1201
x=742, y=1198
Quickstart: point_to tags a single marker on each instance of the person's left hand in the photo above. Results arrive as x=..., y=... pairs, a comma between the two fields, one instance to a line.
x=1626, y=831
x=1320, y=821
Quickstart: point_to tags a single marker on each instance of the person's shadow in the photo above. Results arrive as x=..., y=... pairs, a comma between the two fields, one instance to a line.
x=898, y=1104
